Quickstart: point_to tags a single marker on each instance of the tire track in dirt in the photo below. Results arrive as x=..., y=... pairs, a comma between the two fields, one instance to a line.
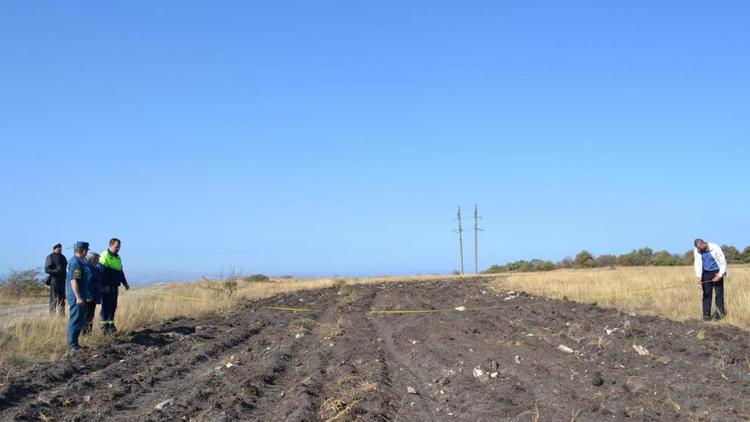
x=291, y=390
x=260, y=384
x=140, y=379
x=335, y=374
x=548, y=381
x=356, y=383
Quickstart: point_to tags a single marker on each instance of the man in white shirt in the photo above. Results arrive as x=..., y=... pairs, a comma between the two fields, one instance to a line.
x=710, y=267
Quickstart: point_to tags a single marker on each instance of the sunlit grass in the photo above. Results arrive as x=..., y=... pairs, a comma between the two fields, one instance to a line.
x=672, y=292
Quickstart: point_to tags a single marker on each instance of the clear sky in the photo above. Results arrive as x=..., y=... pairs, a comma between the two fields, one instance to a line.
x=339, y=137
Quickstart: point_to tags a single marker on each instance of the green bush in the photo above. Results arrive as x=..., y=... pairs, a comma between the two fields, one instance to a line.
x=521, y=266
x=688, y=258
x=637, y=257
x=584, y=259
x=746, y=255
x=606, y=261
x=666, y=259
x=732, y=254
x=256, y=278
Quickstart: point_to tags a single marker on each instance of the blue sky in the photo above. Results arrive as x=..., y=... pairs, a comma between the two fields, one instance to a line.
x=339, y=137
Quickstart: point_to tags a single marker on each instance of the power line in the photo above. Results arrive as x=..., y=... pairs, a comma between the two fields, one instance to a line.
x=460, y=239
x=476, y=238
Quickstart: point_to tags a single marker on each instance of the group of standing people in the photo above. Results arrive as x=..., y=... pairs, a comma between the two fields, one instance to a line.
x=87, y=280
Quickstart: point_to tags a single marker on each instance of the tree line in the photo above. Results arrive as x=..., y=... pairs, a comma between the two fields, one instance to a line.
x=636, y=258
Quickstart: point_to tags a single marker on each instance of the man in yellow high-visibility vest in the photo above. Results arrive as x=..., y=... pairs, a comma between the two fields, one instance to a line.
x=112, y=277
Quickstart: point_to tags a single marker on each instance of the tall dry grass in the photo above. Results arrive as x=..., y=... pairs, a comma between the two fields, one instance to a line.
x=672, y=292
x=26, y=337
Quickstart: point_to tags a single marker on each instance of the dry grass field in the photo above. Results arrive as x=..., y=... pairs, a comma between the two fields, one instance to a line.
x=667, y=291
x=672, y=292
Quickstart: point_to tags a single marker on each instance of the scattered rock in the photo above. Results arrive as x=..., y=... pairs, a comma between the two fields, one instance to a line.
x=493, y=375
x=166, y=403
x=517, y=359
x=640, y=350
x=87, y=398
x=665, y=360
x=596, y=378
x=478, y=372
x=494, y=366
x=298, y=335
x=564, y=348
x=411, y=390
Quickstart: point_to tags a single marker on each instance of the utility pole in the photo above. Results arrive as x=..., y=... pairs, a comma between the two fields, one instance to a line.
x=476, y=239
x=460, y=240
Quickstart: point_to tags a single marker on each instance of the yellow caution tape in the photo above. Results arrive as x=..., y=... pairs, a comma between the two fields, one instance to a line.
x=284, y=308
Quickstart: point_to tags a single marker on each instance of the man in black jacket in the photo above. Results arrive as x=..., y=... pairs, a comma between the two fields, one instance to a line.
x=56, y=266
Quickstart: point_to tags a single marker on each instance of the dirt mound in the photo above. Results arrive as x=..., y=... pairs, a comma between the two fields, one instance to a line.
x=516, y=358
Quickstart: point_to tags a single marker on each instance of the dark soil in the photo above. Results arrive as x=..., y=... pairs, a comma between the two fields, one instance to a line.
x=342, y=363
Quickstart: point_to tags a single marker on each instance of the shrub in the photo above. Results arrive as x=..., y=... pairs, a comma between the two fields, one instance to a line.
x=225, y=284
x=21, y=283
x=521, y=266
x=566, y=262
x=731, y=253
x=584, y=259
x=256, y=278
x=606, y=261
x=746, y=255
x=666, y=259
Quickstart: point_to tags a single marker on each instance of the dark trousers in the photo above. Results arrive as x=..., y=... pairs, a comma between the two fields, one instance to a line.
x=90, y=312
x=109, y=306
x=57, y=297
x=708, y=288
x=75, y=324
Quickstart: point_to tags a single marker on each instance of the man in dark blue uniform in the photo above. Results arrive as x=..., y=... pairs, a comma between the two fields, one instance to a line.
x=77, y=294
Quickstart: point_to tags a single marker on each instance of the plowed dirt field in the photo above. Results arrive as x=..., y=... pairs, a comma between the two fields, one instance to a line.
x=500, y=356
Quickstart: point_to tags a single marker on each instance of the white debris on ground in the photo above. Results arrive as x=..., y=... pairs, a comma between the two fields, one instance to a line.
x=564, y=348
x=460, y=308
x=610, y=331
x=166, y=403
x=640, y=350
x=411, y=390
